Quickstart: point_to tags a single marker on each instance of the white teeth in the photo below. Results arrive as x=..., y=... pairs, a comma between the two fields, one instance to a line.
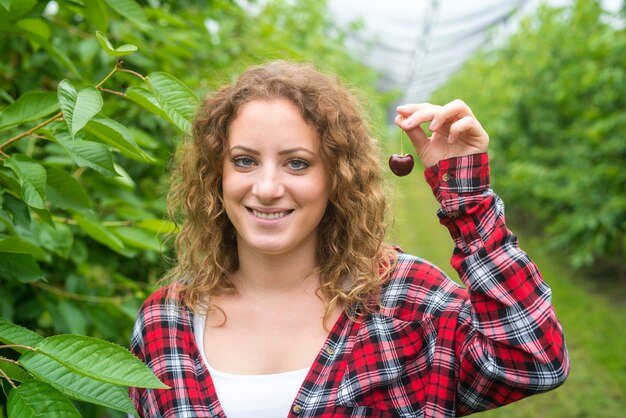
x=265, y=215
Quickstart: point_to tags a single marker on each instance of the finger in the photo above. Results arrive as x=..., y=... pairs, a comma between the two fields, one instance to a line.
x=468, y=129
x=418, y=137
x=410, y=108
x=420, y=115
x=449, y=113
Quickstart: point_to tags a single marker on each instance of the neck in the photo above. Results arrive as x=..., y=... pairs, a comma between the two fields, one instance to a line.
x=276, y=275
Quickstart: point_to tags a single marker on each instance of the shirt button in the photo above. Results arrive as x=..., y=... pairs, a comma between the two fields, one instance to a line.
x=446, y=177
x=330, y=351
x=454, y=214
x=296, y=409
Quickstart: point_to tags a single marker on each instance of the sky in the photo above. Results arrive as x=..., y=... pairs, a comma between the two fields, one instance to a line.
x=417, y=44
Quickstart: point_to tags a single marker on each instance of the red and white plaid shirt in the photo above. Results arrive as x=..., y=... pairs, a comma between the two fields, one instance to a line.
x=434, y=349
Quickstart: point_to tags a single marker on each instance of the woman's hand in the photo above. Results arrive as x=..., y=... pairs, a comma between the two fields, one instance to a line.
x=455, y=130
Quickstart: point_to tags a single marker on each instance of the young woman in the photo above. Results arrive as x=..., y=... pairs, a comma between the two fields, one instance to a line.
x=286, y=300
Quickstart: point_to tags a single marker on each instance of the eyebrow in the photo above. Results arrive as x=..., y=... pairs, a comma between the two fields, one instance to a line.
x=283, y=152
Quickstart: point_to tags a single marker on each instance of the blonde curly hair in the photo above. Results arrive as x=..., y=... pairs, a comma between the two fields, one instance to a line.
x=354, y=258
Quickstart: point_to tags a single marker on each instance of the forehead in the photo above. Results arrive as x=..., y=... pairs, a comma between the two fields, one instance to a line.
x=277, y=121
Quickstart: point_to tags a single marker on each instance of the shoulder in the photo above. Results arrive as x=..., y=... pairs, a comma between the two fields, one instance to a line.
x=163, y=309
x=418, y=289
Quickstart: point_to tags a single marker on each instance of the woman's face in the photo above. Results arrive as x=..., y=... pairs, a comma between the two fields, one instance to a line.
x=274, y=184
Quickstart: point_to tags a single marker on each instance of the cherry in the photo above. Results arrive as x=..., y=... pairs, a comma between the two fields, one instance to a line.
x=401, y=165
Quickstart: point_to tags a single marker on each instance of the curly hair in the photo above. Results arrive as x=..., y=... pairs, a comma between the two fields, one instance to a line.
x=354, y=258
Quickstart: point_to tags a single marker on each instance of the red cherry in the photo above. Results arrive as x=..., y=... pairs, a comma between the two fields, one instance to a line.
x=401, y=165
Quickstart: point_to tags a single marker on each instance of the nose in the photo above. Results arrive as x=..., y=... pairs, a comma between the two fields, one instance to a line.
x=268, y=185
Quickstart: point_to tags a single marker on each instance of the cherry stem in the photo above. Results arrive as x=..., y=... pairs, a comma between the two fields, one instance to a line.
x=401, y=131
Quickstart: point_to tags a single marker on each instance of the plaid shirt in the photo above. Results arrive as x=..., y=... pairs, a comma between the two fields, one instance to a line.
x=434, y=349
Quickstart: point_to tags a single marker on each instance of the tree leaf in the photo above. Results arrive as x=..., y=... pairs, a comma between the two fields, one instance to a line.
x=146, y=99
x=139, y=238
x=110, y=50
x=78, y=107
x=64, y=191
x=96, y=13
x=37, y=399
x=29, y=107
x=67, y=94
x=75, y=385
x=60, y=56
x=87, y=153
x=131, y=11
x=19, y=245
x=100, y=360
x=20, y=8
x=176, y=99
x=14, y=371
x=15, y=334
x=88, y=104
x=160, y=226
x=56, y=238
x=20, y=267
x=116, y=135
x=97, y=231
x=32, y=177
x=35, y=26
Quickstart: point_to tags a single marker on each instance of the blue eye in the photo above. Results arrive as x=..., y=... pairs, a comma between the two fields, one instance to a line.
x=297, y=164
x=244, y=162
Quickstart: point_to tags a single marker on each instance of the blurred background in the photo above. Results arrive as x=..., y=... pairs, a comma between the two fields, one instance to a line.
x=546, y=80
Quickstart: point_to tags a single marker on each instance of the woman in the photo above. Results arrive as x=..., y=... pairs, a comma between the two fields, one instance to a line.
x=286, y=300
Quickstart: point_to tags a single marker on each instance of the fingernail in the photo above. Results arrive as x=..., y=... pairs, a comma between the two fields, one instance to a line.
x=407, y=123
x=433, y=125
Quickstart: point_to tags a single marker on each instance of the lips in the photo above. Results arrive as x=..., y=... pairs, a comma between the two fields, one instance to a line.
x=265, y=215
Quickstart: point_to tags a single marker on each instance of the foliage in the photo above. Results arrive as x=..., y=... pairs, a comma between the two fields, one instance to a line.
x=94, y=96
x=551, y=99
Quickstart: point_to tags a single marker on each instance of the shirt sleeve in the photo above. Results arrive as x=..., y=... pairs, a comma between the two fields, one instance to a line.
x=510, y=343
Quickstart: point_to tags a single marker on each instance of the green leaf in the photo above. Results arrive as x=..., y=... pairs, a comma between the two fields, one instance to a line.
x=35, y=26
x=32, y=177
x=19, y=245
x=146, y=99
x=88, y=104
x=75, y=385
x=19, y=8
x=97, y=231
x=110, y=50
x=176, y=99
x=159, y=226
x=60, y=56
x=37, y=399
x=73, y=316
x=78, y=107
x=29, y=107
x=100, y=360
x=20, y=267
x=131, y=11
x=139, y=238
x=14, y=371
x=96, y=13
x=87, y=153
x=116, y=135
x=67, y=94
x=64, y=191
x=56, y=238
x=15, y=334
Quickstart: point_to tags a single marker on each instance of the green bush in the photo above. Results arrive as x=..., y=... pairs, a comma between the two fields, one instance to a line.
x=552, y=100
x=94, y=97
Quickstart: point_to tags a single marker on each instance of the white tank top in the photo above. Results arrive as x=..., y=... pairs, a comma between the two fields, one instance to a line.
x=256, y=395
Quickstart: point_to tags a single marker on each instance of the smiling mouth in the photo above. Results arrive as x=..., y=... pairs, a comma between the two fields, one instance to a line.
x=270, y=215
